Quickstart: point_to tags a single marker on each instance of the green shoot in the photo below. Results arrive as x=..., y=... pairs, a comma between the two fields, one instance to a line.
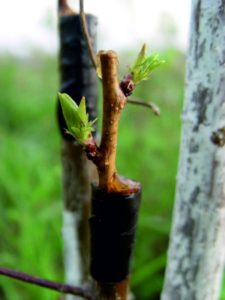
x=144, y=65
x=76, y=118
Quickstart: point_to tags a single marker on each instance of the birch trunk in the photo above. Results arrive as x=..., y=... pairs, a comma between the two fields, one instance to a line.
x=197, y=243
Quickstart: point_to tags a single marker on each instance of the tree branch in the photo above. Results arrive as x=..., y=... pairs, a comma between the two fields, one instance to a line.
x=105, y=156
x=64, y=9
x=63, y=288
x=154, y=108
x=86, y=35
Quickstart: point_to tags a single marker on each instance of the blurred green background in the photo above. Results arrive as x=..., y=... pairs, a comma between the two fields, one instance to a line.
x=30, y=171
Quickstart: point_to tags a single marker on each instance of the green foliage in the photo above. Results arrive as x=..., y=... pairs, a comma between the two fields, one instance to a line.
x=145, y=65
x=76, y=118
x=30, y=173
x=30, y=189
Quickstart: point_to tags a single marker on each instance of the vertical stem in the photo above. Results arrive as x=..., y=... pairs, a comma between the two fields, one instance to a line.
x=114, y=101
x=110, y=117
x=78, y=79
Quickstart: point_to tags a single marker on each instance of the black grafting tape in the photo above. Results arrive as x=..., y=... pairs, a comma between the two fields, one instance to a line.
x=113, y=224
x=78, y=77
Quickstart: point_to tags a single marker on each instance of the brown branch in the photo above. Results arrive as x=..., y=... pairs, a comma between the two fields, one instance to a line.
x=154, y=108
x=114, y=101
x=63, y=288
x=86, y=35
x=64, y=9
x=105, y=156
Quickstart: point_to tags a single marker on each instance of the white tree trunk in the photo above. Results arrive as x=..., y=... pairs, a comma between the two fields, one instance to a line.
x=78, y=172
x=197, y=244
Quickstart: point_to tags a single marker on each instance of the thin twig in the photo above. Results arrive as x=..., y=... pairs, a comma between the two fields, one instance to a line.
x=155, y=109
x=86, y=35
x=63, y=288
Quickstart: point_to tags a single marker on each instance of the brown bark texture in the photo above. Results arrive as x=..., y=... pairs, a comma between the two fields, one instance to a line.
x=113, y=102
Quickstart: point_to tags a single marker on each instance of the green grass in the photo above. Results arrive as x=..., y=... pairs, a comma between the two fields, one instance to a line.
x=30, y=172
x=30, y=205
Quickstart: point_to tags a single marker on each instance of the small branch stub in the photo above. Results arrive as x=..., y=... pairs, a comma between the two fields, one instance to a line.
x=218, y=137
x=154, y=108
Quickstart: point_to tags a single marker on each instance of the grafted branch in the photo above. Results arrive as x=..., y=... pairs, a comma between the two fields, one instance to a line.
x=113, y=102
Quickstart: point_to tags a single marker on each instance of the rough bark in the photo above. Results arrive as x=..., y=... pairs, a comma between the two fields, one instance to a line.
x=197, y=243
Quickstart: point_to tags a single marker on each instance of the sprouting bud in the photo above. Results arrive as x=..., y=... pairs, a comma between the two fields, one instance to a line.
x=127, y=85
x=144, y=65
x=76, y=118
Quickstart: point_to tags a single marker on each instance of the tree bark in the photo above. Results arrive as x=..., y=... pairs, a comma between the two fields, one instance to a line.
x=197, y=243
x=78, y=79
x=114, y=291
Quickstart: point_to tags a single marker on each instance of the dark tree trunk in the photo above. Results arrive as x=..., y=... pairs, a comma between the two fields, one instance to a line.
x=78, y=79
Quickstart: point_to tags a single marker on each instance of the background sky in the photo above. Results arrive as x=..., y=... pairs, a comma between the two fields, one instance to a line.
x=122, y=23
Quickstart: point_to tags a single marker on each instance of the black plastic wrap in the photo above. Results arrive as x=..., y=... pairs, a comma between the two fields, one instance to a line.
x=113, y=225
x=78, y=77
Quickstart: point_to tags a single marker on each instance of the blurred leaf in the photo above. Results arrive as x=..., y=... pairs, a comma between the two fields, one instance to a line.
x=157, y=224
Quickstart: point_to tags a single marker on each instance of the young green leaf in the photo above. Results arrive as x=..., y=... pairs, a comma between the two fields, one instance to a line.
x=143, y=66
x=82, y=111
x=76, y=118
x=141, y=56
x=69, y=108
